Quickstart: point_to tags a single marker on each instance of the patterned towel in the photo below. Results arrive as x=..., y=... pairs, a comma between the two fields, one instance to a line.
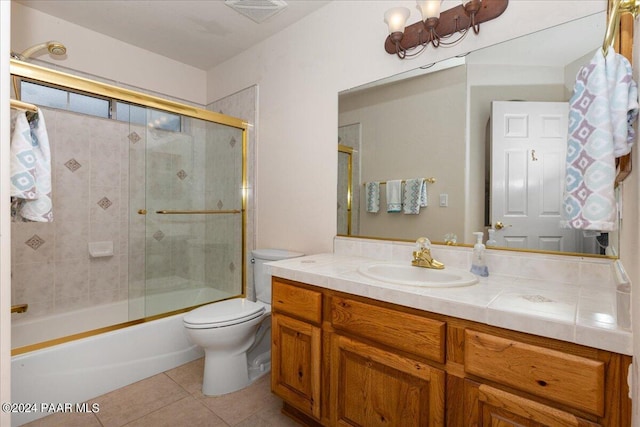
x=31, y=169
x=373, y=197
x=23, y=160
x=415, y=196
x=602, y=108
x=394, y=196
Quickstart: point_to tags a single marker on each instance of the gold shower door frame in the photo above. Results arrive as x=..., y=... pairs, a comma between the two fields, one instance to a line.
x=80, y=84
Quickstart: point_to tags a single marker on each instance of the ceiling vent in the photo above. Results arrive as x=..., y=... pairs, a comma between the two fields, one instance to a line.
x=257, y=10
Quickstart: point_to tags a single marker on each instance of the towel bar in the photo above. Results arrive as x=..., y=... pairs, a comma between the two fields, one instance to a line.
x=20, y=105
x=429, y=180
x=196, y=212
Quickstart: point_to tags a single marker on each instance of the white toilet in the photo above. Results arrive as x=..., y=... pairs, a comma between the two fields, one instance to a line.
x=236, y=334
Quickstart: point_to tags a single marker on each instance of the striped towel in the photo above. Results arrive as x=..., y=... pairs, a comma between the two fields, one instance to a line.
x=373, y=197
x=415, y=196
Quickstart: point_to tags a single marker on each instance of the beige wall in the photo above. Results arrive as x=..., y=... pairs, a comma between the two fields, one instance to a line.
x=413, y=128
x=99, y=55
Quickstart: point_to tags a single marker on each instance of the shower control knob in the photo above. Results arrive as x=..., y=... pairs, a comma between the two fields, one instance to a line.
x=142, y=211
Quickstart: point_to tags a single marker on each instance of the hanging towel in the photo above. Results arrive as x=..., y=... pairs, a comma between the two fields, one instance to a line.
x=373, y=197
x=31, y=169
x=603, y=106
x=23, y=160
x=415, y=196
x=394, y=196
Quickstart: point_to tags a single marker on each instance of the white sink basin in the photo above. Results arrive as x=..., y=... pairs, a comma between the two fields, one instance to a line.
x=402, y=274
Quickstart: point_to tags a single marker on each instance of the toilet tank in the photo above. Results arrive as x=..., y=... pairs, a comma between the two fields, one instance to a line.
x=261, y=275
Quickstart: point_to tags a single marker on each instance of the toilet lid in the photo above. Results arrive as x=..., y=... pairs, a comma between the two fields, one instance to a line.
x=224, y=313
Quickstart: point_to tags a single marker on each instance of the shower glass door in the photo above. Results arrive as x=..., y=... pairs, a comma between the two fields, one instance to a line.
x=189, y=214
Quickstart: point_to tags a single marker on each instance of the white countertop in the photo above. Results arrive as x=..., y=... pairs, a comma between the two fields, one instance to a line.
x=566, y=311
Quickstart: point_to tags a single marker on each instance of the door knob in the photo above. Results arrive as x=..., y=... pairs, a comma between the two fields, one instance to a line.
x=142, y=211
x=500, y=225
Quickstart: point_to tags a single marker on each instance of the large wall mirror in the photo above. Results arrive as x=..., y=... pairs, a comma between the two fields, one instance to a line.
x=446, y=122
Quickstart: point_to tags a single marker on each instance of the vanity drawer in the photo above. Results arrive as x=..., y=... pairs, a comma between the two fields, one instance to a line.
x=565, y=378
x=404, y=331
x=303, y=303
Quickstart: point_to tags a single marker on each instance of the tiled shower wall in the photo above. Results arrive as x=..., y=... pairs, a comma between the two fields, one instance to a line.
x=243, y=104
x=51, y=267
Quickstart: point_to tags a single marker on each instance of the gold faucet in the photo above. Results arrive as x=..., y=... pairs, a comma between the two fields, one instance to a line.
x=422, y=256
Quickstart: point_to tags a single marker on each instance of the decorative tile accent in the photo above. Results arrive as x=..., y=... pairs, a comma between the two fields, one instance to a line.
x=220, y=204
x=134, y=137
x=536, y=298
x=73, y=165
x=35, y=242
x=233, y=141
x=181, y=174
x=158, y=235
x=104, y=203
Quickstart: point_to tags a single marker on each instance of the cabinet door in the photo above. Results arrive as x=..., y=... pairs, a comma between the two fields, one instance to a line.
x=371, y=387
x=486, y=406
x=295, y=363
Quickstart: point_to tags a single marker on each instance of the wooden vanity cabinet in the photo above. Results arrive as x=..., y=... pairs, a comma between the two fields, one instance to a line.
x=379, y=375
x=345, y=360
x=296, y=346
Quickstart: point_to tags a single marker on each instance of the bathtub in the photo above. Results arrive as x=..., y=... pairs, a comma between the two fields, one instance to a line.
x=76, y=371
x=27, y=331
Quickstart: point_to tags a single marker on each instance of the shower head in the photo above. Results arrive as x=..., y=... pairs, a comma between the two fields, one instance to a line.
x=54, y=48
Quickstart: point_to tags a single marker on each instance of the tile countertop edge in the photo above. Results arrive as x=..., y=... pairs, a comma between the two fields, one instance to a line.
x=340, y=275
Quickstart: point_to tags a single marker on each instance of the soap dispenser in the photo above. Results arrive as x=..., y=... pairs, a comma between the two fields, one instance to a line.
x=491, y=241
x=478, y=265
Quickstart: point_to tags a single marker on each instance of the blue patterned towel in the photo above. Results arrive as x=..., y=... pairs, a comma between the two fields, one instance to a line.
x=31, y=169
x=415, y=196
x=603, y=106
x=373, y=197
x=394, y=196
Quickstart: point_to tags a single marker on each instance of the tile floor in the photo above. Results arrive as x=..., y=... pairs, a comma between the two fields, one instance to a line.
x=174, y=398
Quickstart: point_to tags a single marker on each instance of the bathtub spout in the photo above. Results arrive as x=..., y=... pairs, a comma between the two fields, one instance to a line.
x=19, y=308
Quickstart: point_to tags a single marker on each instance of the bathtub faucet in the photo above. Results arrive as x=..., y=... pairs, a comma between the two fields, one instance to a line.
x=19, y=308
x=422, y=255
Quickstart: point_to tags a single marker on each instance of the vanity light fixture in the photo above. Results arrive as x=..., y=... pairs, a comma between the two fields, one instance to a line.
x=437, y=28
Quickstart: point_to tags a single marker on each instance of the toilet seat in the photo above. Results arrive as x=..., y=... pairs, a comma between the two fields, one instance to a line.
x=223, y=313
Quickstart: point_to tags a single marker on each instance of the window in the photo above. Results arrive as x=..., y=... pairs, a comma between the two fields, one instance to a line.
x=62, y=99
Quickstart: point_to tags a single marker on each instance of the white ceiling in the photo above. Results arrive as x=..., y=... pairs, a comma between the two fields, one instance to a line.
x=200, y=33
